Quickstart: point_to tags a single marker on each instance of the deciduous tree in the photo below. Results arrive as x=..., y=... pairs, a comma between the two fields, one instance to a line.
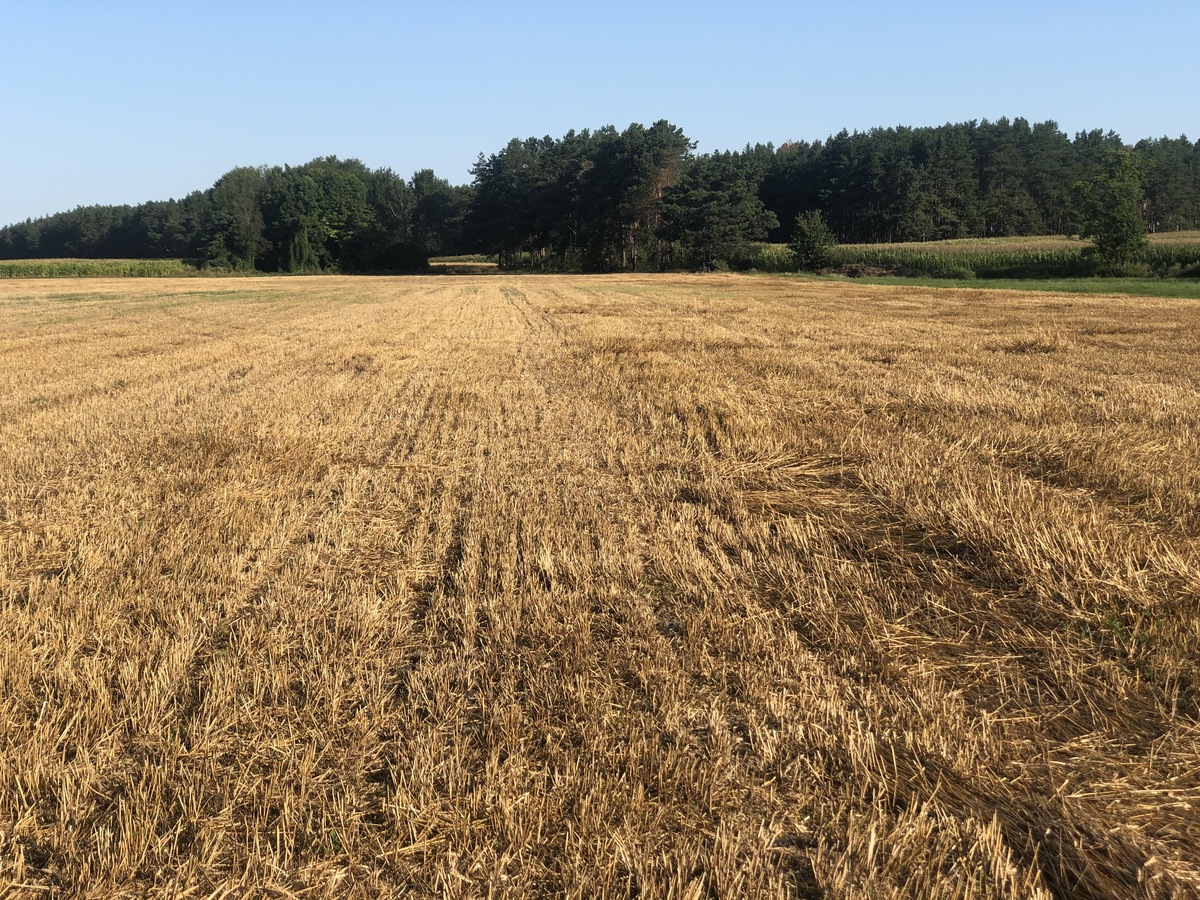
x=1110, y=209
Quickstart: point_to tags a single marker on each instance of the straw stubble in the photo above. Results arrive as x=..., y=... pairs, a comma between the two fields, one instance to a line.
x=657, y=586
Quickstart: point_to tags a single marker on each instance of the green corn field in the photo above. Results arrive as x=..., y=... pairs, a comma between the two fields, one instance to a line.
x=1174, y=253
x=94, y=268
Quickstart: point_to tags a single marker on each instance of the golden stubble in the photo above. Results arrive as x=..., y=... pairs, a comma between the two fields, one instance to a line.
x=656, y=586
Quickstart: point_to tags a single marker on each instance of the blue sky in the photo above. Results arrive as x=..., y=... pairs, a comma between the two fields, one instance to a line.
x=122, y=102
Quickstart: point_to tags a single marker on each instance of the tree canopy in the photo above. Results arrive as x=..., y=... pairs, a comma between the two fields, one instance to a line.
x=643, y=199
x=812, y=242
x=1111, y=209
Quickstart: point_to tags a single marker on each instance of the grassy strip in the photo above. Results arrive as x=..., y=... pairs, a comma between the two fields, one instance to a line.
x=1181, y=288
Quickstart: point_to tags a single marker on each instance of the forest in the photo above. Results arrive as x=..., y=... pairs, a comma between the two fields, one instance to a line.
x=641, y=199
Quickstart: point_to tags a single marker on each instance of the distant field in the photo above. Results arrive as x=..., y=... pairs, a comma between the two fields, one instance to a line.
x=94, y=268
x=1040, y=257
x=469, y=264
x=606, y=586
x=1191, y=238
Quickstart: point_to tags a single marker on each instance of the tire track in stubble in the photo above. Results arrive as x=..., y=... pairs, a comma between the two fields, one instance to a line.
x=420, y=396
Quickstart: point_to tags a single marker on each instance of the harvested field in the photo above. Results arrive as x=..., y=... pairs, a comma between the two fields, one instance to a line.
x=631, y=586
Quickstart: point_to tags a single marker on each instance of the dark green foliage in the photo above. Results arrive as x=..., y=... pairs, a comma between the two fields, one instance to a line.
x=326, y=215
x=1171, y=181
x=233, y=225
x=812, y=242
x=503, y=212
x=787, y=187
x=974, y=179
x=321, y=216
x=714, y=215
x=591, y=200
x=157, y=230
x=301, y=257
x=386, y=244
x=642, y=200
x=631, y=177
x=439, y=214
x=1111, y=210
x=636, y=200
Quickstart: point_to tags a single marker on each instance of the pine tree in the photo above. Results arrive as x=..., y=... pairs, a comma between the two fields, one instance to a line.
x=812, y=242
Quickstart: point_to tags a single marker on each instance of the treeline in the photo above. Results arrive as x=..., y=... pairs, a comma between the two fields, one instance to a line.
x=326, y=215
x=975, y=179
x=638, y=199
x=641, y=199
x=607, y=200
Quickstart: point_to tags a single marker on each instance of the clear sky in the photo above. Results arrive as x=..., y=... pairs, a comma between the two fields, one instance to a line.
x=123, y=102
